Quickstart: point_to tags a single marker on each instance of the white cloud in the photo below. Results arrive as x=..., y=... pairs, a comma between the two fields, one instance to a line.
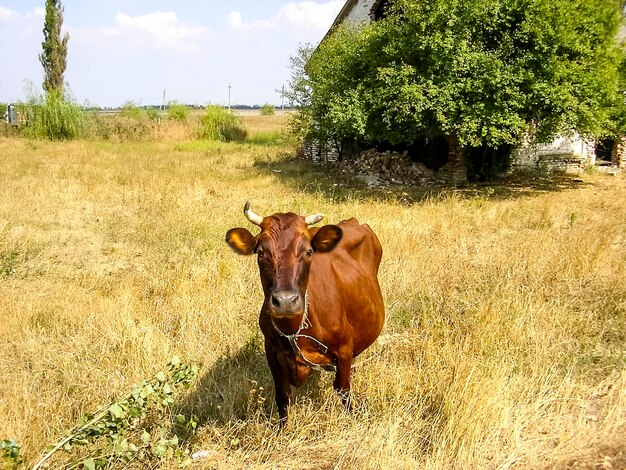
x=234, y=20
x=38, y=12
x=236, y=23
x=163, y=30
x=7, y=14
x=305, y=18
x=310, y=15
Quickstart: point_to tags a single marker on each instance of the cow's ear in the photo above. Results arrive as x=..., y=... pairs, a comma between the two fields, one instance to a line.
x=326, y=238
x=240, y=240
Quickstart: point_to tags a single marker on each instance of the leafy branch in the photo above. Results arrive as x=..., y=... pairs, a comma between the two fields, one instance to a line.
x=121, y=431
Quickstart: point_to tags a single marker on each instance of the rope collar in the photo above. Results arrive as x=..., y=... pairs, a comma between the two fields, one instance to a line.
x=293, y=339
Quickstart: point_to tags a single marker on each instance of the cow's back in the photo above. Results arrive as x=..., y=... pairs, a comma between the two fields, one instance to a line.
x=361, y=244
x=344, y=285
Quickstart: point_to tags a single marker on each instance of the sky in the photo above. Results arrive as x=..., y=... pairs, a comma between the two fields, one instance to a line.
x=133, y=50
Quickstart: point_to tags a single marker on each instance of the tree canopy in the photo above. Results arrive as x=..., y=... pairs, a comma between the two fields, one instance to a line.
x=488, y=72
x=54, y=48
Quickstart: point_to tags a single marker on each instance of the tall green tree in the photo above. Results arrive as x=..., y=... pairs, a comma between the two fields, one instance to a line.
x=54, y=54
x=488, y=72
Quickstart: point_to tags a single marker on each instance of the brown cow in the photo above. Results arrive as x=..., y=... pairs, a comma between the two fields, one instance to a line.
x=322, y=304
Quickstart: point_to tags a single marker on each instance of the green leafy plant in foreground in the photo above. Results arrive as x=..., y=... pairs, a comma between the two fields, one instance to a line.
x=10, y=454
x=134, y=428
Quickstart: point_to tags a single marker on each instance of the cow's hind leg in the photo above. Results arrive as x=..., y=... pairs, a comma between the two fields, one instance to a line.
x=342, y=380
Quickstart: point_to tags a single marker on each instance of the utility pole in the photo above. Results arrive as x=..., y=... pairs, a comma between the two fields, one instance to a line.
x=282, y=101
x=229, y=87
x=163, y=105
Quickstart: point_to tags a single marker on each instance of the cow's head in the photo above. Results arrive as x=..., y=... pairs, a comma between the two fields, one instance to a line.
x=284, y=249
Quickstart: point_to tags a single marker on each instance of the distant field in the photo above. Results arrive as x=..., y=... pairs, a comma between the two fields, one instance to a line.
x=506, y=309
x=256, y=123
x=257, y=112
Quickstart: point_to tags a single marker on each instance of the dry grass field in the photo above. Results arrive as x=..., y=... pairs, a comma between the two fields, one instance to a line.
x=504, y=344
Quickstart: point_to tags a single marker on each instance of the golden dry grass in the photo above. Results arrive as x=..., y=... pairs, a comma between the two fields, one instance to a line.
x=259, y=124
x=506, y=309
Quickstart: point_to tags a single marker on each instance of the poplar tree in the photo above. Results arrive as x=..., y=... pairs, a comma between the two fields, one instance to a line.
x=54, y=55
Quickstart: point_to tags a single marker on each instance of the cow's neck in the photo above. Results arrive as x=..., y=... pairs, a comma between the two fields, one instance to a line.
x=296, y=326
x=288, y=326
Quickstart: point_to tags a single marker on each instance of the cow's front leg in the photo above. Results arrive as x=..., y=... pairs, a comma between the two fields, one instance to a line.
x=342, y=380
x=281, y=384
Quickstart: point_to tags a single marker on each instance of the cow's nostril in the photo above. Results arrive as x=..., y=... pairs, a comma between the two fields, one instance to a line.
x=286, y=301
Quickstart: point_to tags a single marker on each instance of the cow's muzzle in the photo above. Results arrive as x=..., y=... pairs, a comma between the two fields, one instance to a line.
x=286, y=303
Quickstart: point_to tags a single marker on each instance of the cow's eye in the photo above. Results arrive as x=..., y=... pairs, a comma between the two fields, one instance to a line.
x=309, y=252
x=260, y=253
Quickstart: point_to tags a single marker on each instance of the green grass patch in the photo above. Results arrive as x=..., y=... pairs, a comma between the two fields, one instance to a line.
x=269, y=139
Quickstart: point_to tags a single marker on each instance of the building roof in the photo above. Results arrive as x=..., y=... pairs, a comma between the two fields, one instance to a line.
x=345, y=10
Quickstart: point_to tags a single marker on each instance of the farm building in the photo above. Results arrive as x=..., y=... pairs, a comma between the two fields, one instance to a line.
x=443, y=155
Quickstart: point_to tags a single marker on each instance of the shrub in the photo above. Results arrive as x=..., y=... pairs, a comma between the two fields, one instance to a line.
x=220, y=124
x=55, y=118
x=120, y=128
x=131, y=124
x=132, y=111
x=267, y=109
x=152, y=114
x=178, y=112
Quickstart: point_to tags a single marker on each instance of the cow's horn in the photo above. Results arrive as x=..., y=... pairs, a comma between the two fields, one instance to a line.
x=256, y=219
x=313, y=218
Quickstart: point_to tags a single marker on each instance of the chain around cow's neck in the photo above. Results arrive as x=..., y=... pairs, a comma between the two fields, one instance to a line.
x=293, y=339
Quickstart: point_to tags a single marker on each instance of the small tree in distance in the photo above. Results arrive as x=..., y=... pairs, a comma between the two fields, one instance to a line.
x=54, y=55
x=267, y=110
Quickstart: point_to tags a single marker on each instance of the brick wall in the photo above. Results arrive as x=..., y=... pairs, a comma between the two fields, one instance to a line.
x=318, y=152
x=618, y=155
x=455, y=170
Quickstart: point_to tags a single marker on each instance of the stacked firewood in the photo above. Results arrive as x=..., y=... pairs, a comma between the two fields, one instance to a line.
x=376, y=169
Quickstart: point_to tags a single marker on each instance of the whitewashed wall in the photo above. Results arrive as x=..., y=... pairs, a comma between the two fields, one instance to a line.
x=568, y=154
x=360, y=12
